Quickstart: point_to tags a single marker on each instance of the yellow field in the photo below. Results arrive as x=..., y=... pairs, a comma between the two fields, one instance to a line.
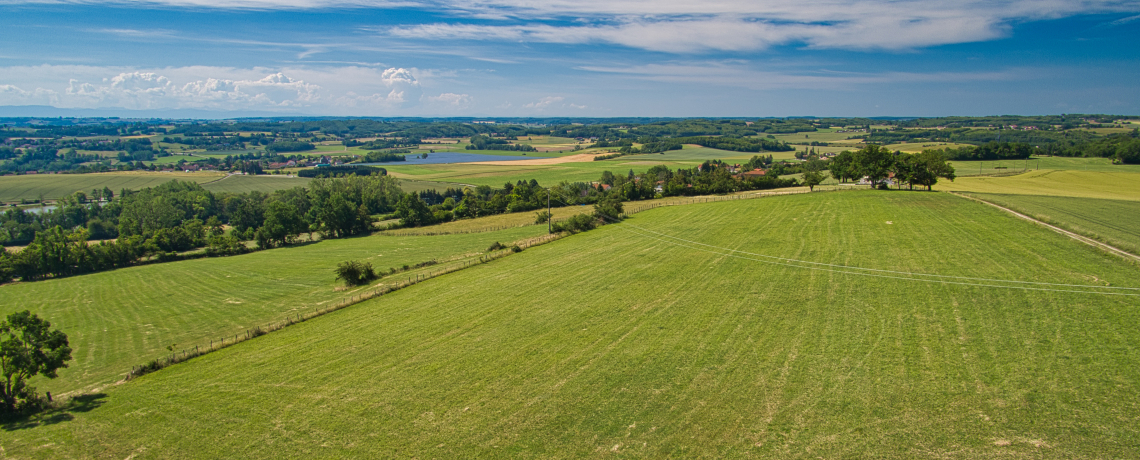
x=1081, y=184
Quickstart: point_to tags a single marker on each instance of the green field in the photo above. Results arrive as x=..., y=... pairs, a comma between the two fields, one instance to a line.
x=1123, y=184
x=54, y=186
x=1116, y=222
x=478, y=174
x=637, y=340
x=975, y=168
x=245, y=184
x=122, y=318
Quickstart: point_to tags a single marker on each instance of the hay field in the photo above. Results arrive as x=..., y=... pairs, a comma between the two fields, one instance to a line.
x=637, y=341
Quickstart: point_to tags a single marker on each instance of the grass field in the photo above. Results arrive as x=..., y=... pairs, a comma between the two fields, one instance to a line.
x=496, y=176
x=122, y=318
x=245, y=184
x=1116, y=222
x=1080, y=184
x=54, y=186
x=974, y=168
x=624, y=342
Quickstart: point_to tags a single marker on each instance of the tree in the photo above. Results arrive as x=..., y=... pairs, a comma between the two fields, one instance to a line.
x=28, y=347
x=927, y=167
x=875, y=162
x=812, y=179
x=413, y=212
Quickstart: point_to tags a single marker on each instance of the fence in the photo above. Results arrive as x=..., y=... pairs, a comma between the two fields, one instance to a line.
x=373, y=292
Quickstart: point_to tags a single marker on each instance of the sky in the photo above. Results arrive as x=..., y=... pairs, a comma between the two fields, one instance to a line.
x=581, y=58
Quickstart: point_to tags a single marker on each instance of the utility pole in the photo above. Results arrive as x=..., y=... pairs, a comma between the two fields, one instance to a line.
x=548, y=216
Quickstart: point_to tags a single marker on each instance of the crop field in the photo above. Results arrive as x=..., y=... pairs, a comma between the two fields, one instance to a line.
x=1116, y=222
x=245, y=184
x=974, y=168
x=477, y=174
x=1081, y=184
x=654, y=339
x=919, y=147
x=823, y=135
x=123, y=318
x=54, y=186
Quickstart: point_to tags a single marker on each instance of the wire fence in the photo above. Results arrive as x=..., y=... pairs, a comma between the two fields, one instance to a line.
x=369, y=293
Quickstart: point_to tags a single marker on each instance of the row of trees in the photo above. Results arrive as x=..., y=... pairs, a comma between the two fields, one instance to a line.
x=177, y=216
x=877, y=164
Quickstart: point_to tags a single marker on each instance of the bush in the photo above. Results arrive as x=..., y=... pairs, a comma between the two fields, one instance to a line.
x=355, y=273
x=495, y=247
x=576, y=224
x=541, y=217
x=516, y=248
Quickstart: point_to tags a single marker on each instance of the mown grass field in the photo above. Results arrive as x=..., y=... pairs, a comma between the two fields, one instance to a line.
x=975, y=168
x=1120, y=185
x=54, y=186
x=625, y=342
x=246, y=184
x=122, y=318
x=1116, y=222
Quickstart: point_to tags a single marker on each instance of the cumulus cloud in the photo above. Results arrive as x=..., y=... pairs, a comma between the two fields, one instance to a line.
x=402, y=91
x=358, y=90
x=150, y=90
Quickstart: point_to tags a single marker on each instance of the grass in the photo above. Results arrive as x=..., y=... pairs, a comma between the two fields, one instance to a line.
x=974, y=168
x=1116, y=222
x=246, y=184
x=54, y=186
x=125, y=317
x=616, y=343
x=1120, y=185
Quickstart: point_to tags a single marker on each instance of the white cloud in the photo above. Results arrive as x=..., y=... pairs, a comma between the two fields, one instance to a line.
x=742, y=76
x=544, y=102
x=686, y=26
x=349, y=90
x=452, y=99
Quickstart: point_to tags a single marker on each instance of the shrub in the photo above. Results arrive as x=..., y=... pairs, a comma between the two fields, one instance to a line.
x=495, y=247
x=576, y=224
x=355, y=273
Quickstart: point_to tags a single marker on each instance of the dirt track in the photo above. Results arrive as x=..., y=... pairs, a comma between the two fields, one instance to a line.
x=1083, y=239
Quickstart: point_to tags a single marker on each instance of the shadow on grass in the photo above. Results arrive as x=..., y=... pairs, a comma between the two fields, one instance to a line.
x=51, y=416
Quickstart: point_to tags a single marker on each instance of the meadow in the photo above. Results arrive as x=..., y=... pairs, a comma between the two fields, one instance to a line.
x=53, y=186
x=122, y=318
x=1121, y=184
x=1116, y=222
x=677, y=334
x=978, y=168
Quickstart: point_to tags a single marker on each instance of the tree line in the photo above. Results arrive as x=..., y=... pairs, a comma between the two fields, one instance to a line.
x=159, y=222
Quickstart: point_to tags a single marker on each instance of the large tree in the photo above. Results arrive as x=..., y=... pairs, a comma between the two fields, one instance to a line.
x=875, y=162
x=28, y=347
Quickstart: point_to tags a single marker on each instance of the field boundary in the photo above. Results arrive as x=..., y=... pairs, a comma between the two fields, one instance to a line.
x=1076, y=236
x=369, y=293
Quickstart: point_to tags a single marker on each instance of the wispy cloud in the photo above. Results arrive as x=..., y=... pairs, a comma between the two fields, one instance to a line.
x=718, y=74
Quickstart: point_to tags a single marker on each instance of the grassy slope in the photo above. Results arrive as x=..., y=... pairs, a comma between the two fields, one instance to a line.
x=264, y=183
x=1116, y=222
x=122, y=318
x=1121, y=185
x=614, y=344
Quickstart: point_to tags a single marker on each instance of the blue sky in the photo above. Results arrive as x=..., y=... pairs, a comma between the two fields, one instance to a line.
x=596, y=58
